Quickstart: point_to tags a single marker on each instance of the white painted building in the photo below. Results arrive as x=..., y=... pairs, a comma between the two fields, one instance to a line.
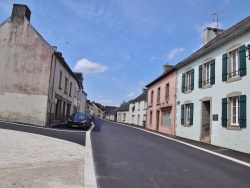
x=138, y=109
x=123, y=113
x=213, y=95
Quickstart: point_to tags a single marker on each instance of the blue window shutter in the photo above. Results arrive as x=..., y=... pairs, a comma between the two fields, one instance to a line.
x=183, y=83
x=212, y=72
x=200, y=77
x=224, y=67
x=243, y=114
x=242, y=53
x=224, y=113
x=182, y=114
x=191, y=113
x=192, y=79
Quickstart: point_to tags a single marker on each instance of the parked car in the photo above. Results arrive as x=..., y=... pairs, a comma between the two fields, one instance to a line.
x=91, y=116
x=79, y=119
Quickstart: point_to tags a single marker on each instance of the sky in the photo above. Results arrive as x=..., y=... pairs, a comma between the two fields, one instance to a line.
x=121, y=45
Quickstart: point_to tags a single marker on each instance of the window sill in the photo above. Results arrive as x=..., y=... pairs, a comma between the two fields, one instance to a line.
x=187, y=91
x=234, y=79
x=206, y=86
x=158, y=104
x=233, y=127
x=187, y=125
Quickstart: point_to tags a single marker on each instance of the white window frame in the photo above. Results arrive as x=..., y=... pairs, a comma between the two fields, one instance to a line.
x=234, y=63
x=234, y=110
x=188, y=80
x=207, y=71
x=187, y=114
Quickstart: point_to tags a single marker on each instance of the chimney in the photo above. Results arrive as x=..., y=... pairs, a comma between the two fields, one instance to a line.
x=210, y=33
x=19, y=12
x=144, y=90
x=166, y=67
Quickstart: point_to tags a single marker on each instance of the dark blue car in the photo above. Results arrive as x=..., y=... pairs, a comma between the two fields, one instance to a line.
x=79, y=119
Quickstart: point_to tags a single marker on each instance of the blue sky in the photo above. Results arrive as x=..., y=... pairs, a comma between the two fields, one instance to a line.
x=121, y=45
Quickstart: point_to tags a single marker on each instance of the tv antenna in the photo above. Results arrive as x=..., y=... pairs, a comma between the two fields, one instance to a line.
x=217, y=17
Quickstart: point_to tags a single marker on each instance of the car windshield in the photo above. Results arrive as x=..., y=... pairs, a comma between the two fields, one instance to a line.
x=80, y=116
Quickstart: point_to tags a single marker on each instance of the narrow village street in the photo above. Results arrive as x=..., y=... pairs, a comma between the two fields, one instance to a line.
x=128, y=157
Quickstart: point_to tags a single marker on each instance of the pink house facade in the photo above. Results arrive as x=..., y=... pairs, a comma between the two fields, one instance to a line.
x=161, y=102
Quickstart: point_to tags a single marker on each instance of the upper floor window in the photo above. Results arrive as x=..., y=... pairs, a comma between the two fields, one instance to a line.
x=207, y=74
x=167, y=92
x=234, y=64
x=152, y=97
x=66, y=85
x=60, y=80
x=188, y=81
x=70, y=88
x=158, y=94
x=139, y=106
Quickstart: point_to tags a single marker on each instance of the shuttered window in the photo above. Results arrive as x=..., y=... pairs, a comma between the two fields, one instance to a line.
x=224, y=67
x=200, y=77
x=224, y=113
x=212, y=72
x=242, y=56
x=182, y=114
x=243, y=114
x=192, y=79
x=191, y=106
x=183, y=85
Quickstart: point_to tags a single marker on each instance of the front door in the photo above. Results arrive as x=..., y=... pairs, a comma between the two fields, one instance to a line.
x=205, y=122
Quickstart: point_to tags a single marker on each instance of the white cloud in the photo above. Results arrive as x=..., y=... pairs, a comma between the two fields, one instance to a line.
x=131, y=95
x=105, y=102
x=88, y=67
x=175, y=52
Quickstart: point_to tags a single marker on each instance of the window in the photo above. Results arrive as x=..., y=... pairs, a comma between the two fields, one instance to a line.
x=234, y=111
x=158, y=95
x=139, y=106
x=60, y=80
x=124, y=116
x=70, y=89
x=188, y=81
x=234, y=64
x=167, y=92
x=150, y=117
x=187, y=114
x=66, y=85
x=166, y=117
x=207, y=74
x=234, y=106
x=152, y=97
x=138, y=120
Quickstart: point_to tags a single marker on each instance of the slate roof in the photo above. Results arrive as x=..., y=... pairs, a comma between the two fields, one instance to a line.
x=142, y=97
x=108, y=109
x=161, y=76
x=222, y=38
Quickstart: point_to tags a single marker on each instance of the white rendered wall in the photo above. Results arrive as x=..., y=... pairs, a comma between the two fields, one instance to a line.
x=220, y=136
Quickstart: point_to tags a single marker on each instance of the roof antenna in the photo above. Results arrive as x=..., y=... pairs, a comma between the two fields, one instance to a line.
x=217, y=17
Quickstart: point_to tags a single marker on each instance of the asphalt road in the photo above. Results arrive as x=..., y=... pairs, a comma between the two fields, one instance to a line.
x=76, y=135
x=131, y=158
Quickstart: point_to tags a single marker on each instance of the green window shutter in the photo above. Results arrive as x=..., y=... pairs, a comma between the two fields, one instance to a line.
x=243, y=110
x=200, y=77
x=224, y=113
x=182, y=114
x=191, y=113
x=224, y=67
x=183, y=83
x=212, y=72
x=242, y=53
x=192, y=79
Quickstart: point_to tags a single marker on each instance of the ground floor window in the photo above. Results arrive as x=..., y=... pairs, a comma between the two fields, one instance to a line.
x=187, y=114
x=124, y=116
x=234, y=111
x=166, y=117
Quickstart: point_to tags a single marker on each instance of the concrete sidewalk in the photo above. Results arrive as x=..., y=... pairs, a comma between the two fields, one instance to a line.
x=31, y=160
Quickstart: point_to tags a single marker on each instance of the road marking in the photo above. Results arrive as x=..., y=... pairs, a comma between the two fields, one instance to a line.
x=43, y=127
x=199, y=148
x=89, y=168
